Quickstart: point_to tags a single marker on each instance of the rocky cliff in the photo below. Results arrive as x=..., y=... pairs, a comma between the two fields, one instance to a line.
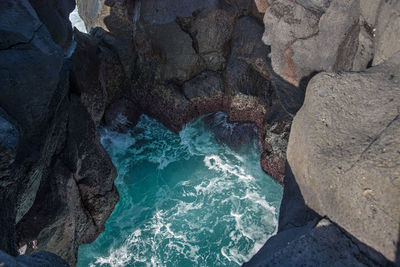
x=175, y=60
x=215, y=61
x=341, y=194
x=56, y=184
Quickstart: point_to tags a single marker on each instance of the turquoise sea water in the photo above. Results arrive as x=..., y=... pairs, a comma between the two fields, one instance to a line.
x=185, y=200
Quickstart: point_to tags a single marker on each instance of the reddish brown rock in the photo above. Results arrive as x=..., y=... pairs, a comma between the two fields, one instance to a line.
x=273, y=165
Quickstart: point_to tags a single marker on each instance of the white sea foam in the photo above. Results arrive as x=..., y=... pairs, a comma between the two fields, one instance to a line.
x=215, y=215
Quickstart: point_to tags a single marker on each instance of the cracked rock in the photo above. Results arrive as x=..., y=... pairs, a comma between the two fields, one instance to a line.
x=304, y=41
x=344, y=150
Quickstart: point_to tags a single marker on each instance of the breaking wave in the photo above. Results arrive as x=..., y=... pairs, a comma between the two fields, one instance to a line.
x=185, y=200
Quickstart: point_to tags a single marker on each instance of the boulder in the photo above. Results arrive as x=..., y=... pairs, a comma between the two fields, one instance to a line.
x=9, y=135
x=304, y=41
x=261, y=5
x=344, y=152
x=369, y=10
x=98, y=75
x=164, y=12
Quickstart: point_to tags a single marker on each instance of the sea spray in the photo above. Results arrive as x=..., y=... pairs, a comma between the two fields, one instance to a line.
x=185, y=200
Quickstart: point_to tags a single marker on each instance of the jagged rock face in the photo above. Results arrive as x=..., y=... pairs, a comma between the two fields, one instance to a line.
x=83, y=194
x=311, y=36
x=26, y=100
x=344, y=152
x=215, y=61
x=56, y=185
x=97, y=73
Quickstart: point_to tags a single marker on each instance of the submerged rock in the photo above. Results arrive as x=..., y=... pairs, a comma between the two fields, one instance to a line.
x=344, y=152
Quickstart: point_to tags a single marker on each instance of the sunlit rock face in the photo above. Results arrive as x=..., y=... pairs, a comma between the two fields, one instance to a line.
x=311, y=36
x=344, y=152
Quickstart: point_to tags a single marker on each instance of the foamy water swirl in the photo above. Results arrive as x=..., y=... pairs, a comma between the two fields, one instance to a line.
x=185, y=200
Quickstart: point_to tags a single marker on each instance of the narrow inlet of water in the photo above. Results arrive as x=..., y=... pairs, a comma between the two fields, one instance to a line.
x=185, y=200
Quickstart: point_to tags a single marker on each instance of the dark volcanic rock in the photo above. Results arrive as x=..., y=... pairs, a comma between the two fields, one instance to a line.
x=207, y=84
x=9, y=136
x=344, y=152
x=234, y=134
x=40, y=259
x=52, y=197
x=85, y=76
x=98, y=75
x=121, y=115
x=179, y=60
x=55, y=15
x=82, y=193
x=28, y=57
x=241, y=77
x=212, y=43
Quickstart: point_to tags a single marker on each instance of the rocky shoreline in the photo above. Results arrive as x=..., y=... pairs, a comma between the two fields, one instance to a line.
x=175, y=61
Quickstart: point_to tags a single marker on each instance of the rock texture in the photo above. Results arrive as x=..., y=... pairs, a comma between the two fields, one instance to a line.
x=316, y=244
x=56, y=185
x=311, y=36
x=214, y=62
x=175, y=60
x=387, y=31
x=344, y=152
x=55, y=15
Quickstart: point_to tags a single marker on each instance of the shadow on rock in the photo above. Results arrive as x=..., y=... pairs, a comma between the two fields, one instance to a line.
x=305, y=238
